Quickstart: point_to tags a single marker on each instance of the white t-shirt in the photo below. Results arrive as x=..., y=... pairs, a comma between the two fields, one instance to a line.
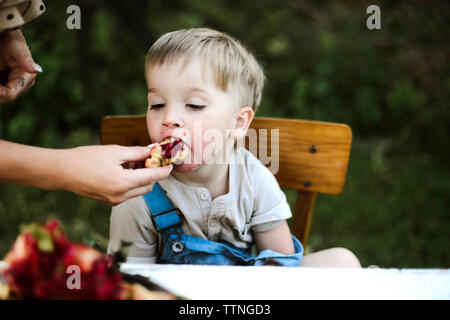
x=254, y=202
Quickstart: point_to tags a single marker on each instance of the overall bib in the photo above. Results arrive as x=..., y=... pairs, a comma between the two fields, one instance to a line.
x=176, y=247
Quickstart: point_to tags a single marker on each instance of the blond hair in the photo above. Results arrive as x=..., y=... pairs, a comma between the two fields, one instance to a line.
x=233, y=65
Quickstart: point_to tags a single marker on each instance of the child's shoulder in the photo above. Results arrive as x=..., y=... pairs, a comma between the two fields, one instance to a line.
x=245, y=157
x=135, y=208
x=248, y=162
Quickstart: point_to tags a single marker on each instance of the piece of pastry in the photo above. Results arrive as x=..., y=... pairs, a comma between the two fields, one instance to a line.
x=168, y=151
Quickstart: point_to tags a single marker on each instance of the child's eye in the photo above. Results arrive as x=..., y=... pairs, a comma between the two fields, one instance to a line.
x=156, y=106
x=195, y=106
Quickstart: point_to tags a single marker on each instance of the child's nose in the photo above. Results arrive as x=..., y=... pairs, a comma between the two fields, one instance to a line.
x=172, y=119
x=168, y=123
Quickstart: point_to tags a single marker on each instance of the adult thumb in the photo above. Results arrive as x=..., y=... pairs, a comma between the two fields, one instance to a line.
x=146, y=176
x=27, y=63
x=134, y=153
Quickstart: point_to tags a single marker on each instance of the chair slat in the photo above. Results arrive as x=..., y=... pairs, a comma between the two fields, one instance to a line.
x=313, y=155
x=124, y=131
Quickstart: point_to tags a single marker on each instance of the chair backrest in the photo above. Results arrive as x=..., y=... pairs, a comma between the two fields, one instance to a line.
x=309, y=156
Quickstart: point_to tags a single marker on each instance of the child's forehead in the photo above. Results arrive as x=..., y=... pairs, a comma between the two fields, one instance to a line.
x=188, y=67
x=180, y=63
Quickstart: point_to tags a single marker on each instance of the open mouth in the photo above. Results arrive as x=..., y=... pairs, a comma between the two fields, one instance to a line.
x=172, y=147
x=170, y=150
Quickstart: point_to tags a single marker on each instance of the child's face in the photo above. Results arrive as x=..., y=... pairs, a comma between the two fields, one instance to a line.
x=184, y=102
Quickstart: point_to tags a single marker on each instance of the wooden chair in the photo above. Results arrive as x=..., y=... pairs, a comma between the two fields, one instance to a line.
x=313, y=156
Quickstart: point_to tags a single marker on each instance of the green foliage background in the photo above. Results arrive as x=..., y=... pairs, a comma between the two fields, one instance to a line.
x=391, y=86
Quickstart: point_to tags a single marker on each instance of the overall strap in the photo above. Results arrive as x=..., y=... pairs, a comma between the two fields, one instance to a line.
x=163, y=213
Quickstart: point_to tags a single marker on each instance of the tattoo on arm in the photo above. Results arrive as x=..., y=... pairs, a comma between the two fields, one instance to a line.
x=21, y=82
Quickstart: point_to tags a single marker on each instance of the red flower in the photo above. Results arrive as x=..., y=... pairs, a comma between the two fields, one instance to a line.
x=39, y=260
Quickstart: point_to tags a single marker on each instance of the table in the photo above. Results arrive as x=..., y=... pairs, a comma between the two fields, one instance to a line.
x=283, y=283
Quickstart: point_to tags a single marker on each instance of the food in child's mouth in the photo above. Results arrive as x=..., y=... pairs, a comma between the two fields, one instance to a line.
x=170, y=150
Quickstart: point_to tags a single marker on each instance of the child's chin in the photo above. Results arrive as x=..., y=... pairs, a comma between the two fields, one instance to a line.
x=185, y=167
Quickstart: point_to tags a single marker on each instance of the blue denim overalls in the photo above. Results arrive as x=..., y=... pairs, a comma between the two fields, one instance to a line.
x=179, y=248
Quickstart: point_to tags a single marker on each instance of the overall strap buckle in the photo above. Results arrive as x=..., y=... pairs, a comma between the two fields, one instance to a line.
x=167, y=219
x=163, y=213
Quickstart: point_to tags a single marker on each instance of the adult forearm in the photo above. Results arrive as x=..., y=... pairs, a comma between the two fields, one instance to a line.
x=32, y=166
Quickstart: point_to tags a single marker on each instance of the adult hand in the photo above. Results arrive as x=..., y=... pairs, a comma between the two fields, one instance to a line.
x=15, y=56
x=97, y=172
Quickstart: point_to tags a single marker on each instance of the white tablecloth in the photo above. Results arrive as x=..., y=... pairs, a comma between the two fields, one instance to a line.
x=283, y=283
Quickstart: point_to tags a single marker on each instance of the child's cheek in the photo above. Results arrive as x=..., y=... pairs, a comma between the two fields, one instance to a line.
x=150, y=129
x=153, y=137
x=213, y=146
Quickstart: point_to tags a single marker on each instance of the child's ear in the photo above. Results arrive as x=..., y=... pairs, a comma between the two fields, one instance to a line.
x=242, y=120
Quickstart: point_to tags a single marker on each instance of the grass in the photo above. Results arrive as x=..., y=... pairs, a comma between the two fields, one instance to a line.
x=393, y=211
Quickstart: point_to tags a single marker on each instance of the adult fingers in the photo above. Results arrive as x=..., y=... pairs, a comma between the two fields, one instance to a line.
x=16, y=53
x=136, y=192
x=19, y=78
x=146, y=176
x=140, y=163
x=19, y=83
x=25, y=61
x=134, y=153
x=142, y=182
x=6, y=95
x=15, y=88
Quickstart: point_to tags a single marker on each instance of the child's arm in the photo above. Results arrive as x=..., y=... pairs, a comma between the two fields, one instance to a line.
x=131, y=222
x=277, y=239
